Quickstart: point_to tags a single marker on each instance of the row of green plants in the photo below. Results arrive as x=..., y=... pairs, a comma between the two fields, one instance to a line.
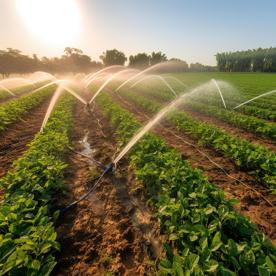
x=262, y=113
x=259, y=103
x=17, y=91
x=4, y=95
x=14, y=109
x=249, y=123
x=256, y=159
x=204, y=235
x=27, y=233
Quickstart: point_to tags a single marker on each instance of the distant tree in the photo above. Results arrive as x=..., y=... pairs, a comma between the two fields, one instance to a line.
x=72, y=51
x=73, y=60
x=256, y=60
x=179, y=65
x=157, y=57
x=113, y=57
x=12, y=61
x=140, y=61
x=198, y=67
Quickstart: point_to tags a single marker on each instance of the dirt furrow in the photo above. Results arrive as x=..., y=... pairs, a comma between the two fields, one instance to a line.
x=229, y=128
x=252, y=203
x=236, y=131
x=14, y=140
x=112, y=231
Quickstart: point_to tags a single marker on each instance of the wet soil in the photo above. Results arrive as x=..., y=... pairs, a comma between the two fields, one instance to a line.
x=112, y=231
x=14, y=139
x=254, y=199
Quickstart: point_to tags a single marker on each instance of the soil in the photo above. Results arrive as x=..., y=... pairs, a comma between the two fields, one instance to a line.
x=113, y=230
x=251, y=137
x=233, y=130
x=15, y=139
x=252, y=204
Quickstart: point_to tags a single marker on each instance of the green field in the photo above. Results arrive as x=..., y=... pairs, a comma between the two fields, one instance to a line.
x=205, y=176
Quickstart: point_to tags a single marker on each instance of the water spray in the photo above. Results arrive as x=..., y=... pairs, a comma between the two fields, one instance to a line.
x=159, y=78
x=255, y=98
x=108, y=81
x=143, y=72
x=220, y=93
x=51, y=106
x=7, y=90
x=92, y=75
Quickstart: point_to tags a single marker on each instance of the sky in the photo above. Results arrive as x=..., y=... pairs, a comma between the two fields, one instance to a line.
x=193, y=30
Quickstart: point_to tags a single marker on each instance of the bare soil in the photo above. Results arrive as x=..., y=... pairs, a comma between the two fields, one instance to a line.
x=251, y=137
x=14, y=139
x=112, y=231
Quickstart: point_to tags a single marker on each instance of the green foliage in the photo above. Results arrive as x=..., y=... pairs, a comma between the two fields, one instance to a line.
x=204, y=235
x=13, y=110
x=113, y=57
x=254, y=158
x=27, y=234
x=140, y=60
x=256, y=60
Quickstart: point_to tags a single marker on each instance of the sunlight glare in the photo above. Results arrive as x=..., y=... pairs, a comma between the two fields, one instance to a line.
x=56, y=22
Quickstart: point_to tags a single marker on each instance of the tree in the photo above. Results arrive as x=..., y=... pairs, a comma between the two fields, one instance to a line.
x=74, y=60
x=198, y=67
x=256, y=60
x=157, y=57
x=12, y=62
x=113, y=57
x=140, y=61
x=179, y=65
x=72, y=51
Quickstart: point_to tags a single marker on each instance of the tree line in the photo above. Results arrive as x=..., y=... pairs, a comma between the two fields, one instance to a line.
x=256, y=60
x=13, y=61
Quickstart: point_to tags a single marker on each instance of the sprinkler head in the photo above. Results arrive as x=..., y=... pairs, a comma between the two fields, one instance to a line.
x=87, y=108
x=109, y=168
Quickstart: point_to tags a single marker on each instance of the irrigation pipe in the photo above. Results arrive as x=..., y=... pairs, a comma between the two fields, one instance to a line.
x=97, y=181
x=88, y=157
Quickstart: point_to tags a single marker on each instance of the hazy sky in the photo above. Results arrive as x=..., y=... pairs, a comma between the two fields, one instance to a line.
x=193, y=30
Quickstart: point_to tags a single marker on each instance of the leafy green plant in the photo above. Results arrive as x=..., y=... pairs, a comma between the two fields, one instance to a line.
x=27, y=234
x=256, y=159
x=14, y=109
x=204, y=234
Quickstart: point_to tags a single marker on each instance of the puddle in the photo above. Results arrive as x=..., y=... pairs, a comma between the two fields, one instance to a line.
x=87, y=149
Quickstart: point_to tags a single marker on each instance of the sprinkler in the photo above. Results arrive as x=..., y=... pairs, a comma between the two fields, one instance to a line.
x=87, y=107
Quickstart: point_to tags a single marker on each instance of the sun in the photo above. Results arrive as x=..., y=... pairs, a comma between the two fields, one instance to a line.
x=55, y=22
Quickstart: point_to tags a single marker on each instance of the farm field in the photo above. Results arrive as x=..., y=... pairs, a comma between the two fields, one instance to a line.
x=195, y=195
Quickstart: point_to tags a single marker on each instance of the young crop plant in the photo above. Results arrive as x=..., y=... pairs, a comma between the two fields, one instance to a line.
x=250, y=123
x=27, y=233
x=204, y=234
x=13, y=110
x=255, y=159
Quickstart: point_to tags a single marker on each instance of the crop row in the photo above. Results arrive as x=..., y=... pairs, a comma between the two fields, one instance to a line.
x=27, y=234
x=262, y=113
x=251, y=157
x=13, y=110
x=204, y=235
x=17, y=91
x=248, y=123
x=214, y=101
x=248, y=86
